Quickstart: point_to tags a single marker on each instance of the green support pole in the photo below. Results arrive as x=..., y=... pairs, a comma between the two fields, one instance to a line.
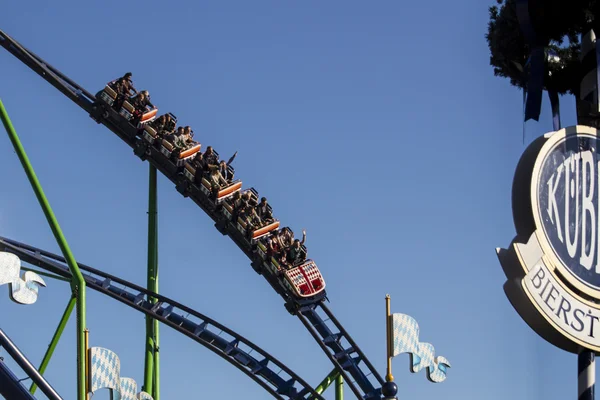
x=54, y=341
x=151, y=367
x=77, y=281
x=156, y=394
x=48, y=274
x=339, y=387
x=325, y=383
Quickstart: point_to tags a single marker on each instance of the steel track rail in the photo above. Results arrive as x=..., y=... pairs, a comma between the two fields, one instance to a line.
x=67, y=87
x=342, y=351
x=232, y=347
x=26, y=366
x=10, y=387
x=358, y=367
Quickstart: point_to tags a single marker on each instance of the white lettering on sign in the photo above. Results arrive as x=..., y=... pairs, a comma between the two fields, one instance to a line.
x=576, y=180
x=570, y=315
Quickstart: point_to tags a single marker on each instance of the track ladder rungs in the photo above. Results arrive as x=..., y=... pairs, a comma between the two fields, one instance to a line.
x=200, y=328
x=231, y=346
x=260, y=365
x=156, y=306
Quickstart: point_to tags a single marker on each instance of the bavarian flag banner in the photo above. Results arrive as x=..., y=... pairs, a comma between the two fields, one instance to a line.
x=404, y=338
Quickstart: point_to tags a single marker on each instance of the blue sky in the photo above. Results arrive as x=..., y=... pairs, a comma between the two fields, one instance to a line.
x=378, y=127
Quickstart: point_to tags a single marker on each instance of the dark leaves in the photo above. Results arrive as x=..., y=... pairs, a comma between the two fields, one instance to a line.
x=557, y=23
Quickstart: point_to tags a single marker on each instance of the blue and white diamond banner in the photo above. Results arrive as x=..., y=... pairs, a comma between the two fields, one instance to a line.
x=128, y=388
x=405, y=339
x=104, y=369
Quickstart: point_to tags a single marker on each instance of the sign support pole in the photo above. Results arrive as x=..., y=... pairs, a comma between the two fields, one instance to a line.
x=586, y=368
x=587, y=103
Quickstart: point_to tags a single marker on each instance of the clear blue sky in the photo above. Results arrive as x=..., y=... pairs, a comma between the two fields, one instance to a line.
x=378, y=127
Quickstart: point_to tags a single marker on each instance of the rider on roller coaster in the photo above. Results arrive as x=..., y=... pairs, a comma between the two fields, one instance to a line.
x=124, y=88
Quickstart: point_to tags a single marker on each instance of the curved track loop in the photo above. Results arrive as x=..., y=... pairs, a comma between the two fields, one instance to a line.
x=10, y=386
x=16, y=354
x=343, y=352
x=232, y=347
x=333, y=340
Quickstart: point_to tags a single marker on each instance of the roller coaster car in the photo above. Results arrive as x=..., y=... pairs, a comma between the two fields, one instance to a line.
x=168, y=150
x=262, y=246
x=224, y=192
x=228, y=206
x=144, y=116
x=108, y=95
x=254, y=233
x=304, y=280
x=150, y=134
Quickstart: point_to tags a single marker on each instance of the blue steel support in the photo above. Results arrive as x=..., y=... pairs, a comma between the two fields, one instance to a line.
x=274, y=376
x=26, y=366
x=10, y=387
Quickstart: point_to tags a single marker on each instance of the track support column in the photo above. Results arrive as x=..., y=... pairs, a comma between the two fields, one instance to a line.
x=59, y=330
x=77, y=281
x=152, y=367
x=325, y=383
x=339, y=387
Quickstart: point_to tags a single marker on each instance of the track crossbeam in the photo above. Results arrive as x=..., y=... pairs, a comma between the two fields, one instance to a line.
x=221, y=340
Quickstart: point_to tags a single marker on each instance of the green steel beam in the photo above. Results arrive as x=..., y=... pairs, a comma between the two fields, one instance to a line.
x=151, y=367
x=156, y=395
x=77, y=281
x=55, y=339
x=339, y=387
x=325, y=383
x=48, y=274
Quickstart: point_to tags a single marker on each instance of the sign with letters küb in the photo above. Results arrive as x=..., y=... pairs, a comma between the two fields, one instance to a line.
x=553, y=264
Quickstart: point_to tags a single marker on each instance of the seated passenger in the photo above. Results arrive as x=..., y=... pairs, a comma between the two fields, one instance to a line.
x=274, y=243
x=248, y=201
x=264, y=212
x=216, y=179
x=210, y=158
x=224, y=168
x=184, y=139
x=170, y=123
x=141, y=100
x=295, y=255
x=286, y=238
x=198, y=162
x=159, y=123
x=249, y=216
x=172, y=137
x=162, y=124
x=124, y=88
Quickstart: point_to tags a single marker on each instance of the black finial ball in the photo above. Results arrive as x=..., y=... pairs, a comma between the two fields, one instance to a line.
x=389, y=389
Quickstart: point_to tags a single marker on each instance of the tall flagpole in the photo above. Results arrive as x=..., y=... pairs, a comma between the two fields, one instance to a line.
x=389, y=388
x=389, y=377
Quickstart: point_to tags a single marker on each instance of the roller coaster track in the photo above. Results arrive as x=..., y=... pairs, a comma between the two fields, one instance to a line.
x=360, y=375
x=10, y=386
x=232, y=347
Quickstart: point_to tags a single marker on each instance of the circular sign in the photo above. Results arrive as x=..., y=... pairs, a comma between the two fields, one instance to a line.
x=565, y=189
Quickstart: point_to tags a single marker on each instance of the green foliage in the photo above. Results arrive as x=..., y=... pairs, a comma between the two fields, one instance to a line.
x=557, y=24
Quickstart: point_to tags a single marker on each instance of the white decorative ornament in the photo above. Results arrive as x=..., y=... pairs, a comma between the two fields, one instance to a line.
x=22, y=291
